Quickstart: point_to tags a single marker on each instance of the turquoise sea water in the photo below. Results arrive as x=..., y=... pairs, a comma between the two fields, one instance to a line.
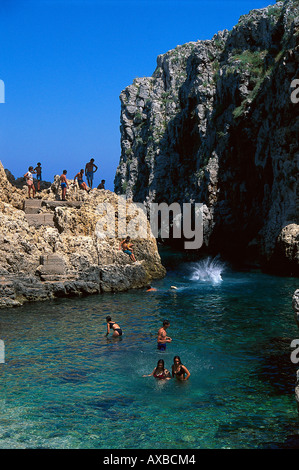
x=65, y=385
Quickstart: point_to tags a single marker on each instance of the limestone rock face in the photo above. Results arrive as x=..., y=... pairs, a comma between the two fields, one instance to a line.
x=215, y=124
x=295, y=303
x=64, y=249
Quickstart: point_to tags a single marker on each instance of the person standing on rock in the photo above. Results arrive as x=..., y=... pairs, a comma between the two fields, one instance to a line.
x=38, y=170
x=90, y=169
x=126, y=246
x=81, y=183
x=64, y=184
x=162, y=336
x=29, y=180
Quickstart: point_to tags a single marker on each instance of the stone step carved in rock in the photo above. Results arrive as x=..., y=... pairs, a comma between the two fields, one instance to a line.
x=51, y=266
x=53, y=204
x=37, y=220
x=32, y=206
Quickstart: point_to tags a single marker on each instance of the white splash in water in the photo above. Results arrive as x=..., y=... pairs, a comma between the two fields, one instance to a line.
x=208, y=270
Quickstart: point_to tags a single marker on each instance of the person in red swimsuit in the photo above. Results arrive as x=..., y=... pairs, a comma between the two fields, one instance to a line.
x=150, y=289
x=160, y=372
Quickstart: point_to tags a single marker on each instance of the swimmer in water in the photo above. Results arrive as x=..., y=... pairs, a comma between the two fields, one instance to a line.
x=160, y=372
x=117, y=331
x=179, y=371
x=149, y=288
x=162, y=337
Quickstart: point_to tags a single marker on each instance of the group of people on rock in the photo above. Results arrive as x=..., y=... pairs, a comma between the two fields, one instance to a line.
x=178, y=370
x=90, y=169
x=29, y=178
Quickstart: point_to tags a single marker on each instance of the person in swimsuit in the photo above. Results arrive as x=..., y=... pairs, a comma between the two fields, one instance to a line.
x=162, y=337
x=90, y=169
x=102, y=185
x=160, y=372
x=126, y=246
x=38, y=170
x=81, y=183
x=179, y=371
x=64, y=184
x=29, y=180
x=111, y=325
x=150, y=289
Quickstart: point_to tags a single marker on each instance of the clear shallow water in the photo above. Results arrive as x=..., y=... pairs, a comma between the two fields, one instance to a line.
x=64, y=385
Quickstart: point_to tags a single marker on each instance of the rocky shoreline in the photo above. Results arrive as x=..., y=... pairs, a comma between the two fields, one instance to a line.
x=50, y=248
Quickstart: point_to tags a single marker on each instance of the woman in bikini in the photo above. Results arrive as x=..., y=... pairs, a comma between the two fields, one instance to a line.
x=111, y=325
x=160, y=372
x=179, y=371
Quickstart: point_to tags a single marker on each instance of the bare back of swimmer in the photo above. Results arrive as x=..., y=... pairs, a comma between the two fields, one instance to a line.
x=111, y=325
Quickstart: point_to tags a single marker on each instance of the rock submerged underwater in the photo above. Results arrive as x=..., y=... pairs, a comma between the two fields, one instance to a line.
x=215, y=124
x=50, y=249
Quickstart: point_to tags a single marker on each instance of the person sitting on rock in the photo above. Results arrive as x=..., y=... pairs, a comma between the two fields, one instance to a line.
x=64, y=184
x=82, y=184
x=102, y=185
x=126, y=246
x=29, y=180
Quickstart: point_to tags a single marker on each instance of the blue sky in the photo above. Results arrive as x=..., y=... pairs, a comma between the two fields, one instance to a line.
x=65, y=62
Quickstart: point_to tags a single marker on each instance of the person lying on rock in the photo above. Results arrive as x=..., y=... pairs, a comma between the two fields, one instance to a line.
x=81, y=183
x=29, y=180
x=126, y=246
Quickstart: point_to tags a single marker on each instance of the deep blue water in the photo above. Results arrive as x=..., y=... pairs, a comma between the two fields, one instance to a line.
x=65, y=385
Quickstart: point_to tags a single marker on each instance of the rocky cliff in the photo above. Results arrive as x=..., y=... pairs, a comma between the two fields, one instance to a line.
x=295, y=303
x=50, y=248
x=215, y=124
